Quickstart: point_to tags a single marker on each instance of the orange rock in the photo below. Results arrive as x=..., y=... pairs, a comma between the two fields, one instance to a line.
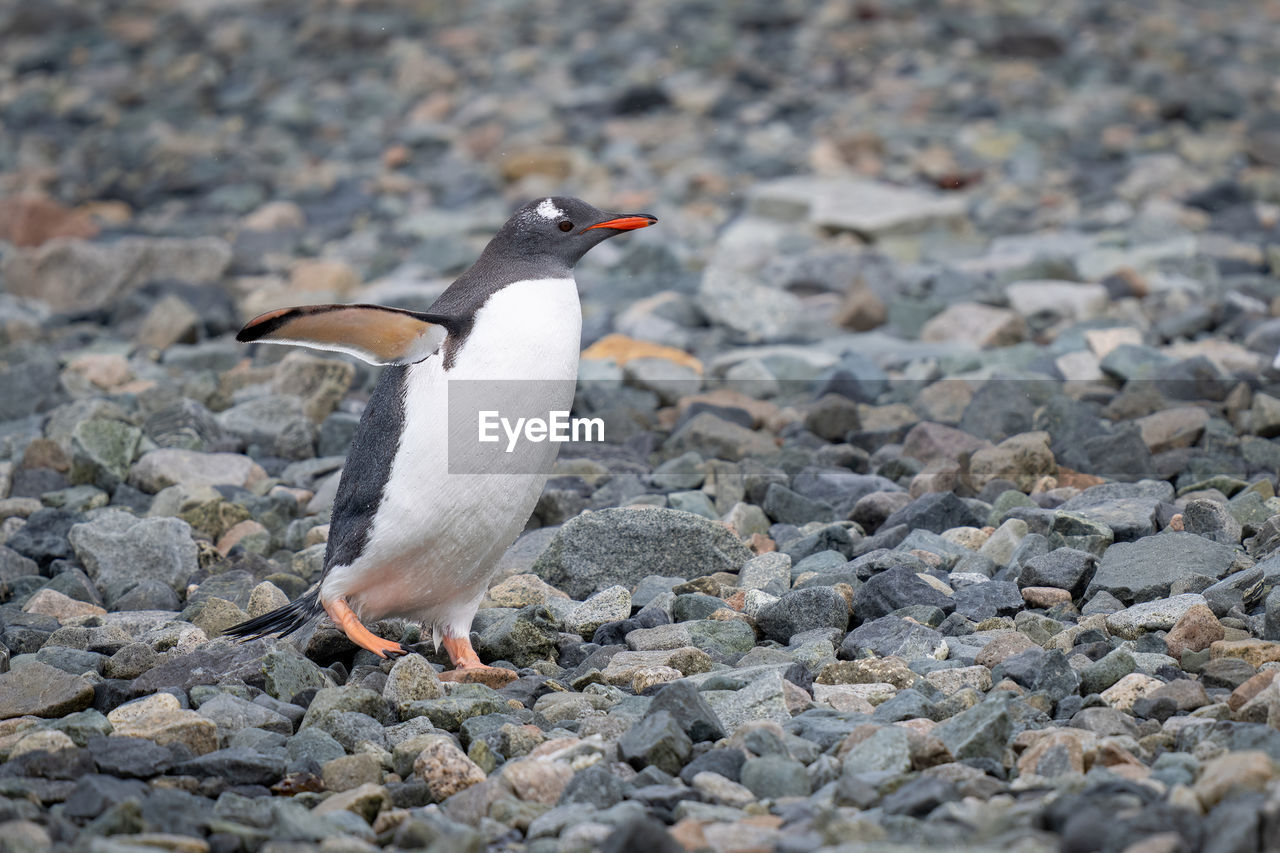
x=688, y=834
x=1045, y=596
x=1194, y=631
x=30, y=220
x=1250, y=688
x=622, y=349
x=396, y=156
x=761, y=544
x=1255, y=652
x=236, y=533
x=1077, y=480
x=106, y=370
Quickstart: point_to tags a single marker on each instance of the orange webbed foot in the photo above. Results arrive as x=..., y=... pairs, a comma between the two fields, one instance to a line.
x=346, y=620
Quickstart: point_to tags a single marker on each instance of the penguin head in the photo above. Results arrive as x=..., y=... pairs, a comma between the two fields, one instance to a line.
x=565, y=228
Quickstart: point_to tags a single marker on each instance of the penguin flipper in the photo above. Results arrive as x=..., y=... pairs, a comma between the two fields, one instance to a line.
x=373, y=333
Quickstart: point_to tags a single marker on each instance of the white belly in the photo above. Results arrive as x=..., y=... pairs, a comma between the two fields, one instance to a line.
x=444, y=520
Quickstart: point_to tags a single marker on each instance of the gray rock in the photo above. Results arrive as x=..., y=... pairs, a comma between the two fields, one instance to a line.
x=44, y=537
x=1064, y=568
x=1106, y=671
x=129, y=757
x=118, y=550
x=40, y=690
x=803, y=610
x=235, y=766
x=1211, y=520
x=520, y=636
x=892, y=635
x=772, y=567
x=656, y=741
x=936, y=512
x=982, y=731
x=1144, y=570
x=1128, y=509
x=711, y=436
x=887, y=750
x=763, y=698
x=771, y=777
x=690, y=711
x=787, y=507
x=895, y=588
x=620, y=546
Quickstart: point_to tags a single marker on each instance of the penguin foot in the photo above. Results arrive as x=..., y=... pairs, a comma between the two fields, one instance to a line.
x=467, y=668
x=346, y=620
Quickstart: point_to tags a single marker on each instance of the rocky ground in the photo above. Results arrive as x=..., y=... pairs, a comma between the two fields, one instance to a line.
x=938, y=508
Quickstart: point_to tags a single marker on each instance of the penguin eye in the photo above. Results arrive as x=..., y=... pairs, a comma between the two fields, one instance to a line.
x=566, y=226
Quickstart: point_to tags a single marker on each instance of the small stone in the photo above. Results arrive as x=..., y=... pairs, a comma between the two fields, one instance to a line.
x=1045, y=597
x=1130, y=689
x=266, y=597
x=411, y=679
x=980, y=326
x=367, y=801
x=1238, y=771
x=446, y=769
x=1196, y=630
x=772, y=777
x=1160, y=615
x=40, y=690
x=1021, y=459
x=771, y=568
x=159, y=718
x=1254, y=652
x=607, y=605
x=658, y=741
x=351, y=771
x=50, y=602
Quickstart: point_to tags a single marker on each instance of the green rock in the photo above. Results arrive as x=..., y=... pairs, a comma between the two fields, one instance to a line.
x=464, y=702
x=1075, y=531
x=771, y=777
x=214, y=615
x=982, y=731
x=1106, y=671
x=77, y=498
x=521, y=636
x=731, y=636
x=40, y=690
x=329, y=701
x=82, y=726
x=695, y=502
x=214, y=518
x=286, y=674
x=887, y=750
x=102, y=451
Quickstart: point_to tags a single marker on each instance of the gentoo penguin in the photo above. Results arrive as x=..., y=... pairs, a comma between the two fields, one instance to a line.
x=409, y=536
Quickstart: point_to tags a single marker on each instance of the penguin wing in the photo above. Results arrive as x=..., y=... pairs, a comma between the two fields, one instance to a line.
x=373, y=333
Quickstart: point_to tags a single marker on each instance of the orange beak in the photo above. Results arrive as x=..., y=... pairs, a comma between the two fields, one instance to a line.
x=626, y=223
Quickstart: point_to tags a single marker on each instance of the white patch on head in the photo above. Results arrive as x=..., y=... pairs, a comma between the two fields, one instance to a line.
x=548, y=210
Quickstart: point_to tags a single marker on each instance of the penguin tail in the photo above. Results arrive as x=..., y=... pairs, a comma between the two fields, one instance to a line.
x=282, y=621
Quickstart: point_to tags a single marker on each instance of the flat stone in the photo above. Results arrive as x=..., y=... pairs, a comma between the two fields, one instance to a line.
x=1253, y=652
x=41, y=690
x=158, y=469
x=1144, y=570
x=620, y=546
x=1159, y=615
x=159, y=718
